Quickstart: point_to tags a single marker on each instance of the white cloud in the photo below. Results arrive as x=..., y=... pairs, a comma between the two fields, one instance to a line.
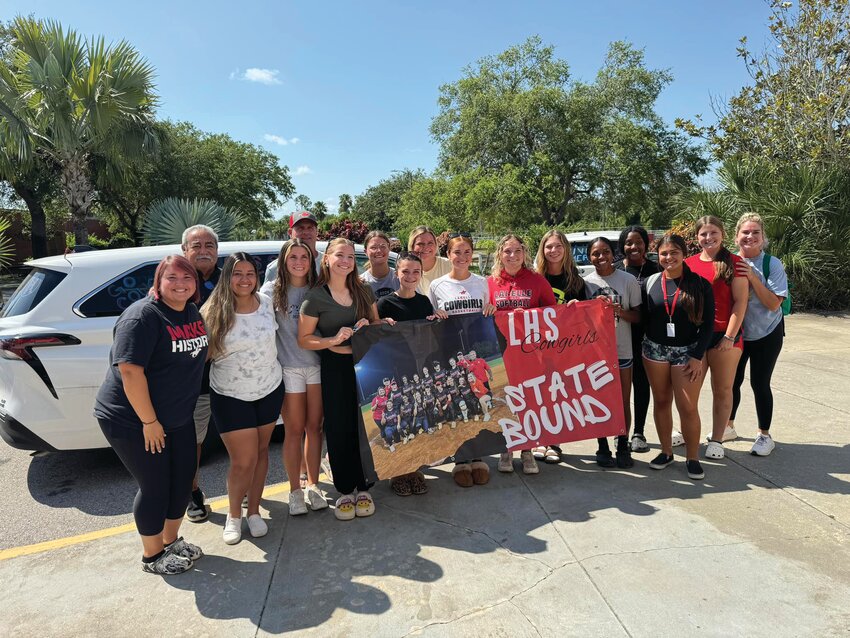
x=263, y=76
x=281, y=141
x=303, y=170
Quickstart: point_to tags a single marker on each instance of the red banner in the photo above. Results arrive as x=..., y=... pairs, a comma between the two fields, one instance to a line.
x=563, y=375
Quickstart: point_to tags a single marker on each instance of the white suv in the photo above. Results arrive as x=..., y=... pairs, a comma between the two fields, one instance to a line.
x=56, y=331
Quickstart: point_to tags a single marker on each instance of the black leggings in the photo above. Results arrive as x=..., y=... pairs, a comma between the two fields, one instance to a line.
x=640, y=383
x=342, y=425
x=165, y=478
x=762, y=355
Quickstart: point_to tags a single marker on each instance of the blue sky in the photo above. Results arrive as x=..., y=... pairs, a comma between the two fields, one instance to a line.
x=344, y=92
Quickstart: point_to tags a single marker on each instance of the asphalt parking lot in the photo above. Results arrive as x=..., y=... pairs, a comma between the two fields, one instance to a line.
x=761, y=547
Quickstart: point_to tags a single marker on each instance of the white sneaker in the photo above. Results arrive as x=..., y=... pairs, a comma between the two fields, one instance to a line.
x=297, y=506
x=314, y=498
x=639, y=444
x=232, y=533
x=729, y=434
x=714, y=450
x=506, y=462
x=257, y=526
x=678, y=439
x=763, y=446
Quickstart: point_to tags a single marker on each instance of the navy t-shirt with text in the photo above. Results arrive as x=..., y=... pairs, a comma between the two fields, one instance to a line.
x=171, y=346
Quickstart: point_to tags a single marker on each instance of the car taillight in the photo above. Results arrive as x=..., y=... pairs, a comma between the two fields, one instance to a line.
x=20, y=348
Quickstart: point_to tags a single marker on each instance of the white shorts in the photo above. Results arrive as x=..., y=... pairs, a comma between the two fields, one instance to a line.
x=296, y=380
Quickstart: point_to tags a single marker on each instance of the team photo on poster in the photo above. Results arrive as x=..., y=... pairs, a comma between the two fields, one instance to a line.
x=430, y=391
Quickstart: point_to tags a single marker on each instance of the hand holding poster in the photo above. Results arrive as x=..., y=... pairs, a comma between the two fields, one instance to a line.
x=563, y=377
x=459, y=389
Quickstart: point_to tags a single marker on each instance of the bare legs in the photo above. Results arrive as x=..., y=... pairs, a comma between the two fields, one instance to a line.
x=249, y=463
x=670, y=383
x=302, y=414
x=723, y=365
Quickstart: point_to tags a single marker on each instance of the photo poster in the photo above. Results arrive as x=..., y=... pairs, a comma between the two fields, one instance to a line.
x=471, y=386
x=430, y=392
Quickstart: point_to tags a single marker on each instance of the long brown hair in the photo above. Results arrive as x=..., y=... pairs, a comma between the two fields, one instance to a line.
x=219, y=312
x=724, y=267
x=568, y=265
x=284, y=279
x=360, y=292
x=691, y=296
x=496, y=271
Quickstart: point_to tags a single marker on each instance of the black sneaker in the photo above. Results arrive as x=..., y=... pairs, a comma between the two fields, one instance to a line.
x=197, y=510
x=661, y=461
x=624, y=459
x=694, y=470
x=605, y=459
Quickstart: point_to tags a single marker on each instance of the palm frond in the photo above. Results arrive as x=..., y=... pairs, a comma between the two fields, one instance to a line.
x=166, y=219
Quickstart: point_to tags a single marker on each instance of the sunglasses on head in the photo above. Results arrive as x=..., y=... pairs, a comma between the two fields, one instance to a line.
x=464, y=235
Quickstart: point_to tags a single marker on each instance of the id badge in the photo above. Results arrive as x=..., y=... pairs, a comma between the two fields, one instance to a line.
x=671, y=330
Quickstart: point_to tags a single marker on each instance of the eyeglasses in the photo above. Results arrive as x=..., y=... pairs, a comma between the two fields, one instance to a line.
x=464, y=235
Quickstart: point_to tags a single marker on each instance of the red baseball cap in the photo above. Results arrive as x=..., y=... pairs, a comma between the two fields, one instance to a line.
x=301, y=215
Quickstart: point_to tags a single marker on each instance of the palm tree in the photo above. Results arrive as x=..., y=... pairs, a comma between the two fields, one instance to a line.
x=66, y=100
x=167, y=218
x=320, y=210
x=345, y=203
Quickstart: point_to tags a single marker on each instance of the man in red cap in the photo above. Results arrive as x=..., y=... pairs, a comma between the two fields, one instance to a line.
x=303, y=226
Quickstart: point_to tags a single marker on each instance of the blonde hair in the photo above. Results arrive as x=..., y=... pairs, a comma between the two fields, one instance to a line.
x=219, y=312
x=724, y=267
x=284, y=279
x=420, y=230
x=360, y=292
x=372, y=235
x=755, y=218
x=567, y=266
x=496, y=271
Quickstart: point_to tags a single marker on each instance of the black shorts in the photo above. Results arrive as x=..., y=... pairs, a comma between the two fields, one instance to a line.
x=231, y=414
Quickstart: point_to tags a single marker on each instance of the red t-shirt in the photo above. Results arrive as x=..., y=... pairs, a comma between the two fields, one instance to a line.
x=480, y=369
x=722, y=290
x=526, y=289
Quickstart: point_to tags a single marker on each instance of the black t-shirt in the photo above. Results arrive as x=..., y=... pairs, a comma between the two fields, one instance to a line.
x=394, y=307
x=643, y=273
x=559, y=287
x=172, y=347
x=687, y=333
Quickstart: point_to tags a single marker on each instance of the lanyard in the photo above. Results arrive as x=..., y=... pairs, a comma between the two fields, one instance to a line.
x=670, y=310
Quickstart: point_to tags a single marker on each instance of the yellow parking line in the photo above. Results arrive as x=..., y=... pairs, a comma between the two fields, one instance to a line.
x=59, y=543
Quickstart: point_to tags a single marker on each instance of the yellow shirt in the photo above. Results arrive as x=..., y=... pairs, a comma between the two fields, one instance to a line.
x=442, y=267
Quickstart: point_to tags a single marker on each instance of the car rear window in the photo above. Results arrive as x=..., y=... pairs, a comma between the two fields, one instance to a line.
x=111, y=299
x=33, y=289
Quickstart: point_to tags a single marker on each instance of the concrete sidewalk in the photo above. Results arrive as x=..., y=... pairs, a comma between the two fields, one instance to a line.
x=761, y=547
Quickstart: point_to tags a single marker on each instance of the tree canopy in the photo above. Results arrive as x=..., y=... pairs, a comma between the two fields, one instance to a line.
x=532, y=143
x=797, y=108
x=197, y=165
x=379, y=205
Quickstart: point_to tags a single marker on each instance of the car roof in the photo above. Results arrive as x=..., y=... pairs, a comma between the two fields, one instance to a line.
x=121, y=256
x=587, y=235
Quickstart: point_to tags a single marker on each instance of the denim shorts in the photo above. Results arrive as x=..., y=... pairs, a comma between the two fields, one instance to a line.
x=625, y=364
x=674, y=355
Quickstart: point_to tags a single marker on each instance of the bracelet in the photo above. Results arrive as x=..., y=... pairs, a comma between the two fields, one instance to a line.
x=728, y=338
x=149, y=422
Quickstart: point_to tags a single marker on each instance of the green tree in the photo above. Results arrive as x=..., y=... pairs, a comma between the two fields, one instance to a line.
x=193, y=164
x=345, y=203
x=540, y=142
x=379, y=206
x=797, y=108
x=65, y=99
x=320, y=210
x=31, y=181
x=302, y=202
